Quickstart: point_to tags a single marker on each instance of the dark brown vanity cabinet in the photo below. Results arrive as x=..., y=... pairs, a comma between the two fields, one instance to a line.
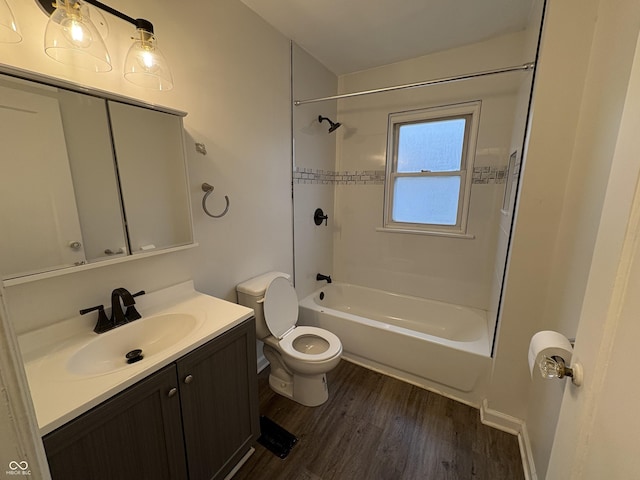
x=194, y=419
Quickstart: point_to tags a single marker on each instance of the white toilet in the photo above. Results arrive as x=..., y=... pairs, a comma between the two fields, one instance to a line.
x=301, y=356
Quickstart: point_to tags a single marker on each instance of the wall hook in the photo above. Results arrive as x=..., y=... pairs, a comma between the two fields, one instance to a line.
x=208, y=189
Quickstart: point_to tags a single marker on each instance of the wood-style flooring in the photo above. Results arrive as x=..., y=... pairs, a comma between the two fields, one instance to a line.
x=375, y=427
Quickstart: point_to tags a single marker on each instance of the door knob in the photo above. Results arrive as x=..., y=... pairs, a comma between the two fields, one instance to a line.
x=188, y=379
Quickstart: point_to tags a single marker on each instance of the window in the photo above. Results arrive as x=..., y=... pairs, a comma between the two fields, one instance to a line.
x=430, y=156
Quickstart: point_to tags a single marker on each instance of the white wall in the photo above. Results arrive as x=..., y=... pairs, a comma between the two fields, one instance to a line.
x=231, y=73
x=454, y=270
x=597, y=423
x=584, y=67
x=557, y=95
x=314, y=152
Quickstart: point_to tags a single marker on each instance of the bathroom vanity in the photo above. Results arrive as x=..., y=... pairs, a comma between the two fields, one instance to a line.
x=188, y=409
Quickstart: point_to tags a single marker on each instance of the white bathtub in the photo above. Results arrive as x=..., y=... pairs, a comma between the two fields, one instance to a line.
x=428, y=340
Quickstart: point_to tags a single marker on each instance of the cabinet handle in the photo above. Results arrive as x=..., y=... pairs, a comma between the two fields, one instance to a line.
x=172, y=392
x=188, y=379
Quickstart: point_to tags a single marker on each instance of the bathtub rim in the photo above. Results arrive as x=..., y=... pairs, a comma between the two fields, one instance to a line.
x=481, y=346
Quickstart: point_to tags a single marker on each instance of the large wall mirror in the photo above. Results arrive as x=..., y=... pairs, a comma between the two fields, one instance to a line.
x=86, y=179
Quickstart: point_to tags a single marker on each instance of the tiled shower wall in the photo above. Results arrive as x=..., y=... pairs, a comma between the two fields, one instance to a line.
x=343, y=173
x=452, y=269
x=314, y=150
x=301, y=175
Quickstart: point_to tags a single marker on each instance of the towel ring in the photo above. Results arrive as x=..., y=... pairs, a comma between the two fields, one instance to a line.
x=208, y=189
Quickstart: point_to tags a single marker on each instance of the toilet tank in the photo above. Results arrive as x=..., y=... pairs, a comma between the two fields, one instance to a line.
x=251, y=293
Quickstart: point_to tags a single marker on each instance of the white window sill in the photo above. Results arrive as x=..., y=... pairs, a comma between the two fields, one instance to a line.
x=433, y=233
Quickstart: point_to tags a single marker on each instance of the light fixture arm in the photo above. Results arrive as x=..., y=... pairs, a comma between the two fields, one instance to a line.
x=146, y=25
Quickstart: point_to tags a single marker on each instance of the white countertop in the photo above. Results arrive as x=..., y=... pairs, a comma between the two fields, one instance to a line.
x=59, y=395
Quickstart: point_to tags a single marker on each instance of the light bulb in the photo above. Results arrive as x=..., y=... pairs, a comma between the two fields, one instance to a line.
x=76, y=32
x=147, y=60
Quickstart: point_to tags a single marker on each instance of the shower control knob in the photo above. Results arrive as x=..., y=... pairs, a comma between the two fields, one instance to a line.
x=319, y=216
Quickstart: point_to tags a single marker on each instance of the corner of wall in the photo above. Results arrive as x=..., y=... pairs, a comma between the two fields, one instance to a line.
x=515, y=426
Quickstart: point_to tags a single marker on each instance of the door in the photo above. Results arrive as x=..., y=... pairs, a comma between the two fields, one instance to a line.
x=35, y=176
x=597, y=431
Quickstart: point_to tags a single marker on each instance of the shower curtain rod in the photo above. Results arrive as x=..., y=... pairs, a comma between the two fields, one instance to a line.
x=438, y=81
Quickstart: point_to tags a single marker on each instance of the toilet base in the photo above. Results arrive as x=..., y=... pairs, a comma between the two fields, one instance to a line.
x=310, y=390
x=281, y=386
x=307, y=390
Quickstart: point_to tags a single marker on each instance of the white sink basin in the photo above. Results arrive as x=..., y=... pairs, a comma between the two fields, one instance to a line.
x=106, y=353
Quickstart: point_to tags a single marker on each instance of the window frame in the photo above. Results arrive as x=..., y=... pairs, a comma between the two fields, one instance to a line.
x=467, y=110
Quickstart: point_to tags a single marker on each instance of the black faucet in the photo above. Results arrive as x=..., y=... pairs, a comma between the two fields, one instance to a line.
x=320, y=277
x=118, y=316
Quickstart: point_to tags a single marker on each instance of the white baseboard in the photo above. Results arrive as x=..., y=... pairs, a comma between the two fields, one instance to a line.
x=515, y=426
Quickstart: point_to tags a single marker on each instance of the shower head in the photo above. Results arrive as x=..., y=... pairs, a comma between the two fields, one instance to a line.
x=332, y=126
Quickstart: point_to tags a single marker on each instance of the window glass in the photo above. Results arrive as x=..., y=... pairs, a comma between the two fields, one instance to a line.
x=431, y=200
x=434, y=146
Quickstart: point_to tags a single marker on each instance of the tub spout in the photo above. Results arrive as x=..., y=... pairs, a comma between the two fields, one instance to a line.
x=320, y=277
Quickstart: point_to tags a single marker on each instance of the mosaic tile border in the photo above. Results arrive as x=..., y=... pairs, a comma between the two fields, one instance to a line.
x=326, y=177
x=481, y=175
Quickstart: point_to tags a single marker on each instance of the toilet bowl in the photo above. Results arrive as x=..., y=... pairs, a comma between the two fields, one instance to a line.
x=300, y=356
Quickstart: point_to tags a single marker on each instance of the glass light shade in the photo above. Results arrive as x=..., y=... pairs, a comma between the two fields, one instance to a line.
x=97, y=18
x=145, y=64
x=9, y=32
x=72, y=38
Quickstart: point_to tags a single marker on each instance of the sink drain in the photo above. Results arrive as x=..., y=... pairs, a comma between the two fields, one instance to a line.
x=134, y=356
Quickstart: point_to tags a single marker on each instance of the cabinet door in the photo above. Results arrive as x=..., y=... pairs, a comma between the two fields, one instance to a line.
x=135, y=435
x=219, y=395
x=153, y=176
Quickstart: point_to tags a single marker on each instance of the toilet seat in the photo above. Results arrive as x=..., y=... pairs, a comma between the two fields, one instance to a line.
x=281, y=314
x=334, y=349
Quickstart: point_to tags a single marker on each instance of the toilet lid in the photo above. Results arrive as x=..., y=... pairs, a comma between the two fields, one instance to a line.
x=280, y=307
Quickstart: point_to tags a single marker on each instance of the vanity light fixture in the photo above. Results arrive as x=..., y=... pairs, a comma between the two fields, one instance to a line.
x=9, y=32
x=72, y=38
